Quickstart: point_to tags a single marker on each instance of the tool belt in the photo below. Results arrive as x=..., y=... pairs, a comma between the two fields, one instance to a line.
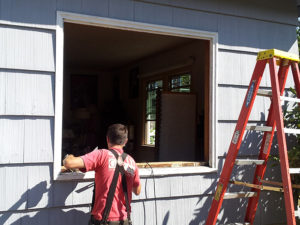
x=93, y=221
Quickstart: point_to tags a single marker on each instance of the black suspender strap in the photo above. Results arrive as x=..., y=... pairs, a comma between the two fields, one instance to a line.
x=112, y=188
x=124, y=184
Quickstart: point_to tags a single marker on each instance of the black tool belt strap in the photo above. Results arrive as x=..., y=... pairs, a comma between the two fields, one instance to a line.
x=112, y=188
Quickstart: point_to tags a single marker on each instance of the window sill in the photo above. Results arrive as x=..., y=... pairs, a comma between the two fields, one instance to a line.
x=144, y=172
x=145, y=146
x=150, y=172
x=72, y=176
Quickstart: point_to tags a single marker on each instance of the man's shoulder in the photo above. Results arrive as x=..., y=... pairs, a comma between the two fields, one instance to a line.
x=95, y=154
x=129, y=157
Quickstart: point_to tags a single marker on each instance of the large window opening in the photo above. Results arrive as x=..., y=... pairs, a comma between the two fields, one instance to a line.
x=155, y=84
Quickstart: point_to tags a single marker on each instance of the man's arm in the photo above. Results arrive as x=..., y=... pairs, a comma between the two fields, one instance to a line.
x=137, y=190
x=72, y=162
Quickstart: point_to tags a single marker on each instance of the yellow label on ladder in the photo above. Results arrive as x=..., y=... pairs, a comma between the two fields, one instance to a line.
x=218, y=191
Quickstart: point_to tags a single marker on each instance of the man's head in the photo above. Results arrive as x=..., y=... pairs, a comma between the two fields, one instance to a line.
x=117, y=134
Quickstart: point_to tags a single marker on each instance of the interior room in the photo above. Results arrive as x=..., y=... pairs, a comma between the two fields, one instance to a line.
x=157, y=85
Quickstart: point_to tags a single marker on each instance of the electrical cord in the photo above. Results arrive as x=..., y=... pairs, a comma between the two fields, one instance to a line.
x=154, y=189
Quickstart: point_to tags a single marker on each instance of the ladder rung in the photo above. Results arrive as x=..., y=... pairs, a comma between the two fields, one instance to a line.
x=289, y=99
x=256, y=186
x=269, y=129
x=278, y=183
x=291, y=131
x=294, y=170
x=249, y=162
x=265, y=93
x=259, y=128
x=240, y=195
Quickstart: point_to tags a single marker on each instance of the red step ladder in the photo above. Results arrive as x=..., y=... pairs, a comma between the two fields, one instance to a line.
x=275, y=120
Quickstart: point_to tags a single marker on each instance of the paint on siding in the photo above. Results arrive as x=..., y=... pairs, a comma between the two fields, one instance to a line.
x=248, y=33
x=38, y=140
x=39, y=191
x=249, y=147
x=29, y=12
x=63, y=193
x=82, y=193
x=195, y=19
x=236, y=68
x=95, y=7
x=25, y=48
x=12, y=139
x=35, y=218
x=279, y=12
x=2, y=93
x=75, y=216
x=13, y=188
x=26, y=139
x=155, y=14
x=230, y=103
x=121, y=9
x=9, y=218
x=28, y=93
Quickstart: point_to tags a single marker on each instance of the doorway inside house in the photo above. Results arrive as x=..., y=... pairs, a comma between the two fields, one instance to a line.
x=157, y=85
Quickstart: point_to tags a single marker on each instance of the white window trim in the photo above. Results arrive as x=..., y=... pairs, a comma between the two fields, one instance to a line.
x=142, y=27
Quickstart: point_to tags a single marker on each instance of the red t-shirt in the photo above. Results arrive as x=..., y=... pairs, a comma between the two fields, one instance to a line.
x=103, y=162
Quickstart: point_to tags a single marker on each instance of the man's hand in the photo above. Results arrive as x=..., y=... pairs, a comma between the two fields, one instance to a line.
x=63, y=169
x=72, y=162
x=137, y=190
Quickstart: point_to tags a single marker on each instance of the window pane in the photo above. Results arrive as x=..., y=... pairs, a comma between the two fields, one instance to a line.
x=181, y=83
x=150, y=132
x=151, y=99
x=151, y=105
x=152, y=89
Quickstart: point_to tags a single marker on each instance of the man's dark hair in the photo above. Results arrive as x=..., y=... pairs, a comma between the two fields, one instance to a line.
x=117, y=134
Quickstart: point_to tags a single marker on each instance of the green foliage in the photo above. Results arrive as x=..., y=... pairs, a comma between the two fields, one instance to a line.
x=292, y=120
x=298, y=37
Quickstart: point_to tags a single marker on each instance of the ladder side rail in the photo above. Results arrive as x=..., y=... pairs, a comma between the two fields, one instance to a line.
x=288, y=195
x=265, y=147
x=296, y=76
x=236, y=142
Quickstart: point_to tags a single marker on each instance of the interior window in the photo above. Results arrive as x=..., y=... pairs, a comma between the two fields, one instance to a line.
x=181, y=83
x=176, y=83
x=153, y=88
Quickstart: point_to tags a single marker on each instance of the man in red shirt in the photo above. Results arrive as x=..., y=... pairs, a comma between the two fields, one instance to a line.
x=103, y=162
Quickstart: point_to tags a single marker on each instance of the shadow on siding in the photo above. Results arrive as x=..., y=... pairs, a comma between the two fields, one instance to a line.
x=33, y=215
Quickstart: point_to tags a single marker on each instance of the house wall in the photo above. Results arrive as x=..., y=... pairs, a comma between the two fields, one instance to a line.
x=29, y=195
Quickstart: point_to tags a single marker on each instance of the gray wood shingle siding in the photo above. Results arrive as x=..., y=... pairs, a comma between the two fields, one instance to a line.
x=27, y=85
x=18, y=99
x=27, y=49
x=26, y=139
